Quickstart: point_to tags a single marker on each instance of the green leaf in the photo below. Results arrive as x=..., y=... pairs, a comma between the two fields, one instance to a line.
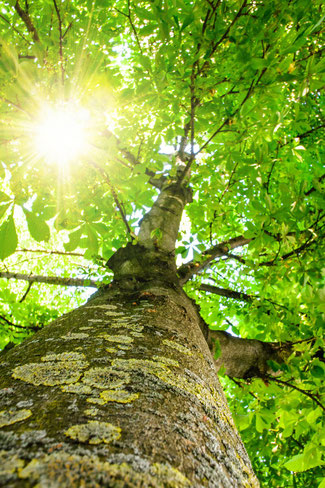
x=92, y=241
x=4, y=208
x=322, y=483
x=187, y=21
x=8, y=238
x=4, y=197
x=74, y=238
x=317, y=371
x=302, y=462
x=38, y=228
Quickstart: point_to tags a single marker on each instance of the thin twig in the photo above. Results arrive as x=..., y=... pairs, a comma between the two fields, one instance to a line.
x=60, y=40
x=14, y=28
x=304, y=392
x=230, y=117
x=223, y=37
x=13, y=325
x=115, y=197
x=221, y=197
x=67, y=29
x=238, y=383
x=313, y=188
x=30, y=284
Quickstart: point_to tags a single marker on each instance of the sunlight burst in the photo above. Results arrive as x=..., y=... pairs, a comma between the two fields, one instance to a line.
x=61, y=133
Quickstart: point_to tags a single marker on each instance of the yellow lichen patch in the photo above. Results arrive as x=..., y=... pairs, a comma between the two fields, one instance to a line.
x=91, y=412
x=8, y=417
x=179, y=381
x=167, y=361
x=96, y=401
x=178, y=347
x=94, y=432
x=136, y=334
x=122, y=339
x=77, y=388
x=111, y=350
x=119, y=396
x=105, y=378
x=66, y=470
x=123, y=347
x=50, y=373
x=145, y=365
x=65, y=356
x=134, y=328
x=160, y=369
x=9, y=463
x=75, y=335
x=169, y=476
x=104, y=306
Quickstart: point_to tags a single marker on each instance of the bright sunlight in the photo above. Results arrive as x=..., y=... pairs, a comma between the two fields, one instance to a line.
x=60, y=134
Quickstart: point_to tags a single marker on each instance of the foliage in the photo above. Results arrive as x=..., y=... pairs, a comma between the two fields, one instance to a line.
x=238, y=86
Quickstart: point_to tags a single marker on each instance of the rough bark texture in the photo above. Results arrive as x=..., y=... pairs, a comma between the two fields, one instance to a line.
x=122, y=392
x=246, y=358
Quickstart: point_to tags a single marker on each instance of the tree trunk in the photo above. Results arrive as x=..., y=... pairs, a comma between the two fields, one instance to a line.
x=120, y=392
x=123, y=392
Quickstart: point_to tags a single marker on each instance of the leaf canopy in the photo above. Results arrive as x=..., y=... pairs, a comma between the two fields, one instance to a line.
x=235, y=86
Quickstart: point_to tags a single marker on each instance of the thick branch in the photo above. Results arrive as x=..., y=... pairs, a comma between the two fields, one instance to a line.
x=237, y=295
x=159, y=227
x=186, y=271
x=44, y=251
x=246, y=358
x=27, y=21
x=224, y=292
x=50, y=280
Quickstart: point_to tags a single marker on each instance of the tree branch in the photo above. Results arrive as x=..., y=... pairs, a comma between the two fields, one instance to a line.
x=60, y=40
x=246, y=358
x=27, y=21
x=115, y=197
x=228, y=119
x=14, y=28
x=186, y=271
x=44, y=251
x=223, y=37
x=51, y=280
x=11, y=325
x=294, y=387
x=296, y=251
x=224, y=292
x=236, y=295
x=30, y=284
x=313, y=188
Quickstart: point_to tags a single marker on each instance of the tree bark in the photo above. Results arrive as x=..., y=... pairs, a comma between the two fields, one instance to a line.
x=247, y=358
x=123, y=392
x=120, y=392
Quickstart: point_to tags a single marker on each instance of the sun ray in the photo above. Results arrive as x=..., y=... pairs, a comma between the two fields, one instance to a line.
x=60, y=133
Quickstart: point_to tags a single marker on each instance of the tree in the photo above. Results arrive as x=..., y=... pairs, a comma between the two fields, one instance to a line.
x=197, y=178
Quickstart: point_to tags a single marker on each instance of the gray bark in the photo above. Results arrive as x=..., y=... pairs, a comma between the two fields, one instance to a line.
x=122, y=392
x=123, y=388
x=246, y=358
